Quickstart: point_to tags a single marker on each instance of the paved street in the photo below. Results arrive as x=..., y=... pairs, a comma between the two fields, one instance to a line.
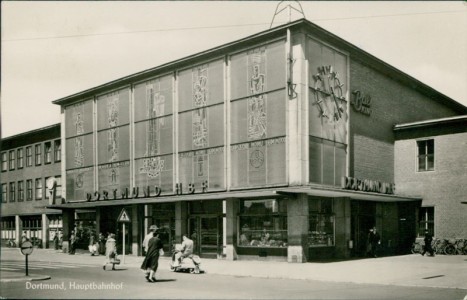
x=81, y=276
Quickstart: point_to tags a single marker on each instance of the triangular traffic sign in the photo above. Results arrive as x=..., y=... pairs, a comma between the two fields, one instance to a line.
x=124, y=217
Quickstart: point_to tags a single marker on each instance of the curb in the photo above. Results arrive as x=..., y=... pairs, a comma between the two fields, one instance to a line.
x=24, y=278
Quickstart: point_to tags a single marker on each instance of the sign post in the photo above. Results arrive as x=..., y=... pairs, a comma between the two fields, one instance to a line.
x=26, y=249
x=123, y=218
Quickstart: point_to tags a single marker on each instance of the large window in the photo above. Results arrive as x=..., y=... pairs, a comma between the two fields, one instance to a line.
x=4, y=162
x=328, y=115
x=263, y=223
x=57, y=150
x=58, y=187
x=426, y=155
x=321, y=224
x=29, y=189
x=39, y=191
x=20, y=158
x=12, y=160
x=4, y=193
x=48, y=153
x=29, y=156
x=12, y=191
x=426, y=218
x=20, y=191
x=38, y=153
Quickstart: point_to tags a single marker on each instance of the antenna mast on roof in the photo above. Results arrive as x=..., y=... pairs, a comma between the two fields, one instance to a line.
x=290, y=7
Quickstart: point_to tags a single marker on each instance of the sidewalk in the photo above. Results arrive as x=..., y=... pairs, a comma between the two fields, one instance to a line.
x=408, y=270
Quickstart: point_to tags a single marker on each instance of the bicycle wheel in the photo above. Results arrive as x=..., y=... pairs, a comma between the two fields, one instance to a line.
x=449, y=250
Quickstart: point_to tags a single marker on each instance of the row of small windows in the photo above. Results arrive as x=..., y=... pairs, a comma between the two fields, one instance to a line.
x=26, y=192
x=14, y=159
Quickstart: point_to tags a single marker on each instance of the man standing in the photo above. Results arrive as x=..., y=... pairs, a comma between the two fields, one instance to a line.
x=427, y=248
x=148, y=236
x=373, y=240
x=186, y=251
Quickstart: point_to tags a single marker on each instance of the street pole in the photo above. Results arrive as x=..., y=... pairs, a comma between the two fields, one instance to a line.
x=27, y=273
x=123, y=258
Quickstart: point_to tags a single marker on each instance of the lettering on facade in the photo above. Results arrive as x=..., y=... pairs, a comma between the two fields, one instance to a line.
x=361, y=103
x=327, y=81
x=367, y=185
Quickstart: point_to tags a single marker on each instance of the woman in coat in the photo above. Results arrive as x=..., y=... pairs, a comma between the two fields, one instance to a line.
x=110, y=250
x=151, y=261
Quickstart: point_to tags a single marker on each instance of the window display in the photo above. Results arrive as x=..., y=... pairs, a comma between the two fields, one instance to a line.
x=321, y=222
x=263, y=223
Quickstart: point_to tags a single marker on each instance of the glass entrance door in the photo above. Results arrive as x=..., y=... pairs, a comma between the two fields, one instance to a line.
x=206, y=233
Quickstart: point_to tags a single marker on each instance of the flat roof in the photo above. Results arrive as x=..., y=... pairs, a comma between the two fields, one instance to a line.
x=355, y=53
x=441, y=121
x=31, y=132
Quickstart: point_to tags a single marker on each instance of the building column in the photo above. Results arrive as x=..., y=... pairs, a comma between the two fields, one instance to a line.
x=342, y=214
x=18, y=229
x=181, y=219
x=231, y=228
x=45, y=231
x=68, y=226
x=297, y=229
x=98, y=221
x=135, y=232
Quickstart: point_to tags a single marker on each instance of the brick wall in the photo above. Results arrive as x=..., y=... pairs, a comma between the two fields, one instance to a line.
x=371, y=137
x=444, y=188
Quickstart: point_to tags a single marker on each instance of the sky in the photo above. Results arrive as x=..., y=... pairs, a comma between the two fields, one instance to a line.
x=51, y=50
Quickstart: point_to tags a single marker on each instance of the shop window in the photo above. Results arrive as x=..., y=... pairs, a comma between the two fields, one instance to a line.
x=12, y=160
x=4, y=193
x=39, y=191
x=29, y=189
x=28, y=156
x=20, y=191
x=426, y=218
x=48, y=153
x=8, y=228
x=263, y=223
x=321, y=222
x=426, y=155
x=38, y=149
x=20, y=157
x=4, y=162
x=12, y=191
x=57, y=151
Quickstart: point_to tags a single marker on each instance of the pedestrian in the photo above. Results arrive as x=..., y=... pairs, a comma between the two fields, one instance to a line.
x=55, y=240
x=24, y=237
x=101, y=240
x=373, y=241
x=110, y=251
x=148, y=236
x=151, y=261
x=72, y=242
x=427, y=248
x=93, y=245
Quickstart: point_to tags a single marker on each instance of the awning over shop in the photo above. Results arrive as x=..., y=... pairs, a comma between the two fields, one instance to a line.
x=263, y=193
x=338, y=193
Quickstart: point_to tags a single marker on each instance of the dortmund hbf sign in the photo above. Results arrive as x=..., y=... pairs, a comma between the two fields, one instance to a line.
x=124, y=217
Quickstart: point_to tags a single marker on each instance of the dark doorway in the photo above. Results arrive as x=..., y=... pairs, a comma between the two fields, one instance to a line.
x=363, y=219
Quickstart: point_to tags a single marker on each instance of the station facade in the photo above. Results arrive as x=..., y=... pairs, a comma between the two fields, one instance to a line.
x=279, y=146
x=30, y=181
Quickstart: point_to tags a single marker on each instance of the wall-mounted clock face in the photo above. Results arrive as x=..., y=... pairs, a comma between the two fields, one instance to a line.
x=330, y=97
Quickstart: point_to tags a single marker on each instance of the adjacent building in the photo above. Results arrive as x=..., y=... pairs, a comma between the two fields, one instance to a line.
x=431, y=164
x=31, y=180
x=277, y=146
